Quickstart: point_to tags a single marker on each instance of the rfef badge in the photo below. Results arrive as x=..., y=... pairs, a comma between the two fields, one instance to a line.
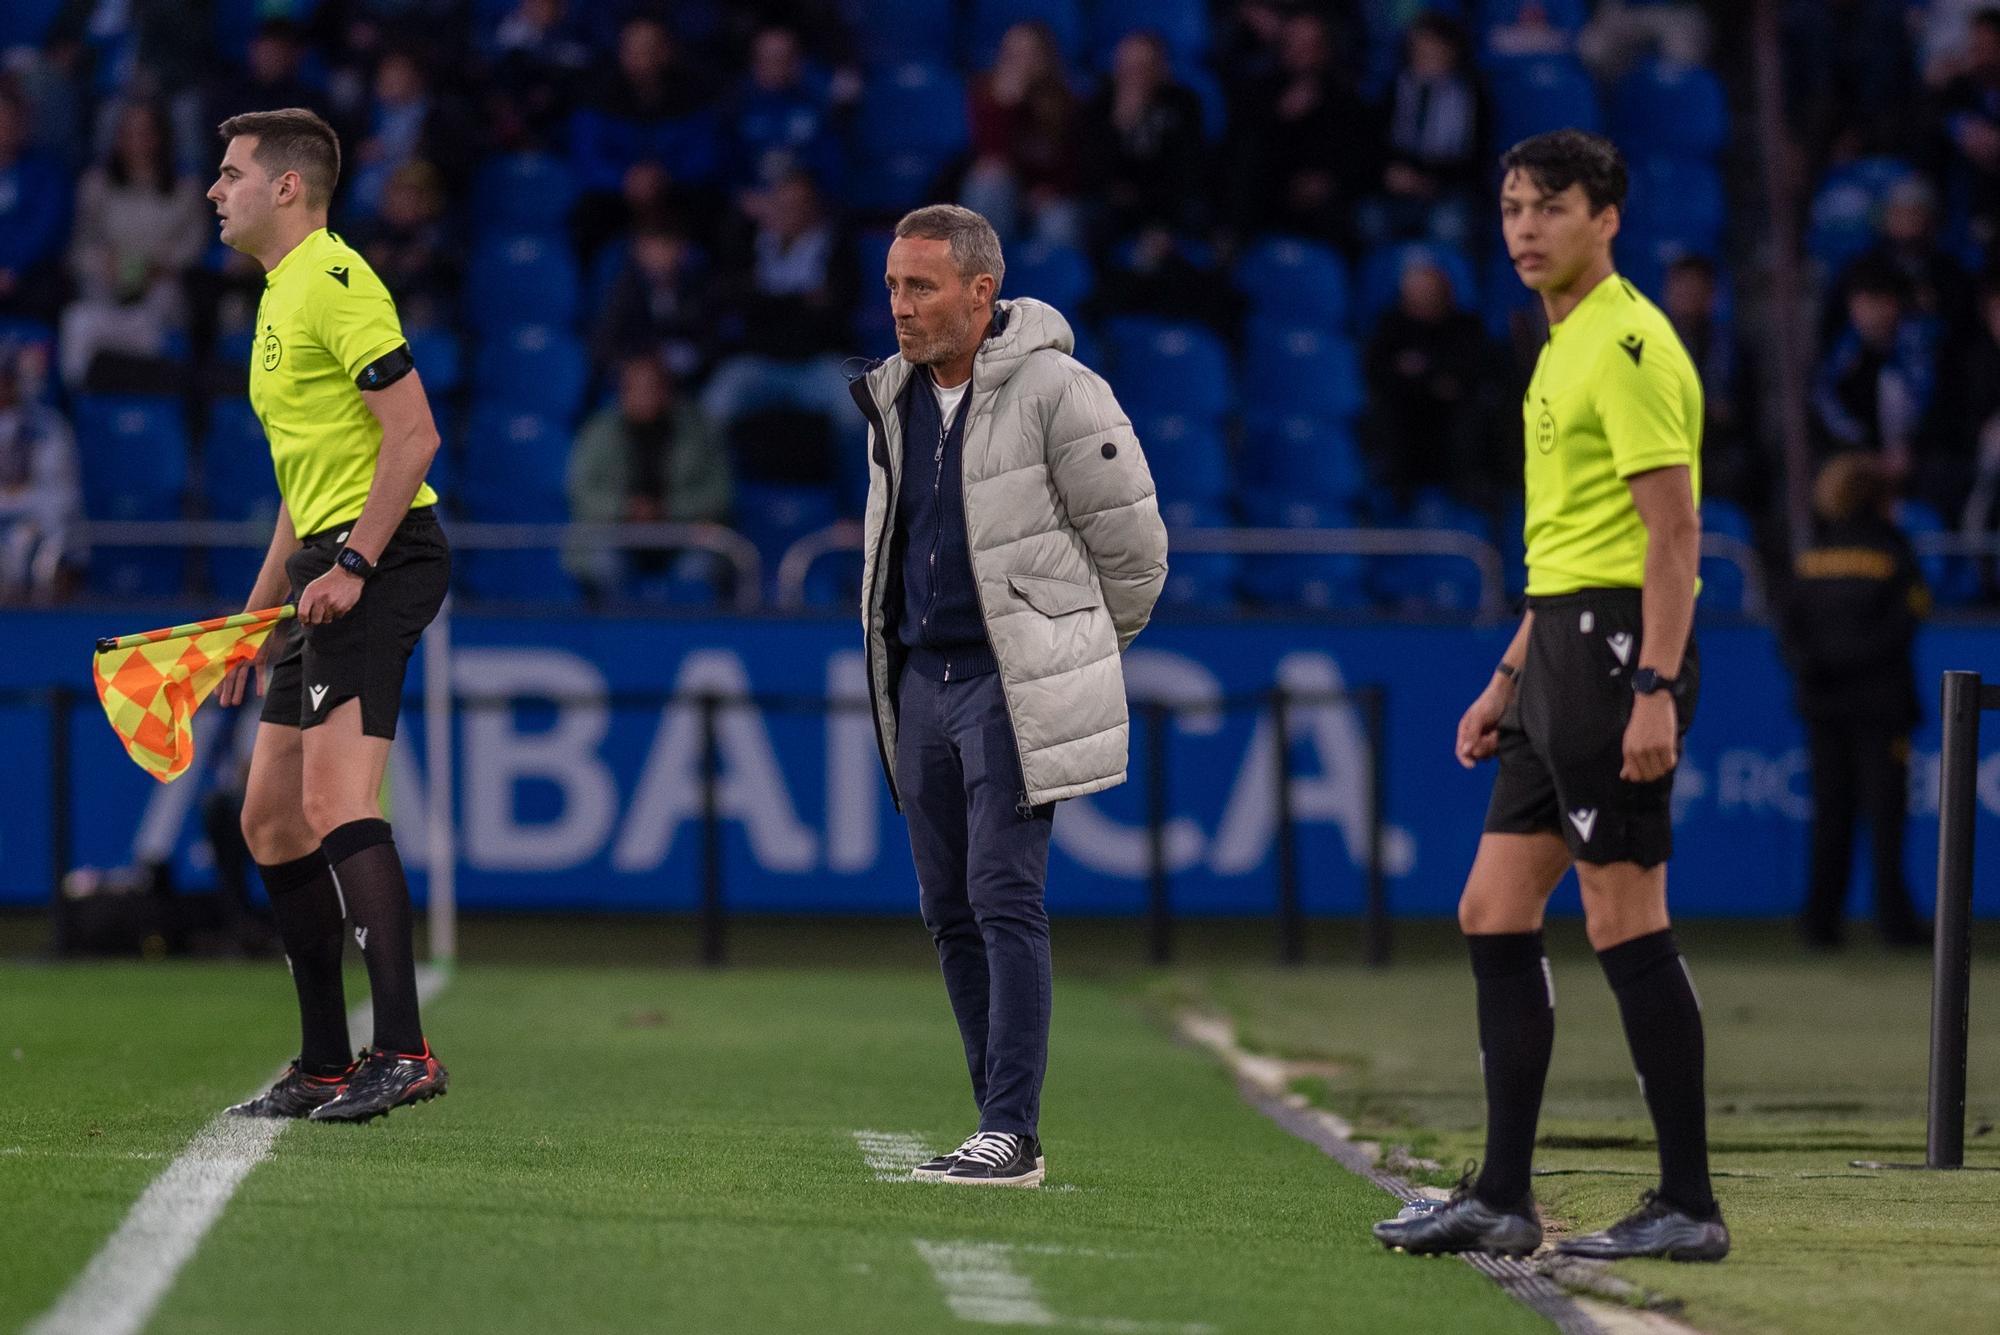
x=274, y=351
x=1545, y=430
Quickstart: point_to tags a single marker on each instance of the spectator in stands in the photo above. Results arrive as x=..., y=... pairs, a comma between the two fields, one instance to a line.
x=1430, y=369
x=139, y=228
x=1436, y=142
x=659, y=299
x=1145, y=153
x=1733, y=465
x=1848, y=629
x=40, y=497
x=656, y=111
x=406, y=122
x=1937, y=285
x=1970, y=112
x=272, y=77
x=538, y=59
x=34, y=215
x=789, y=319
x=1306, y=147
x=650, y=458
x=1026, y=138
x=1847, y=70
x=780, y=119
x=1171, y=277
x=1873, y=388
x=411, y=248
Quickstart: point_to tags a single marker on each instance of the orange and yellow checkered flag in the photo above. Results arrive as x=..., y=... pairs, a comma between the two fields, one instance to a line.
x=152, y=683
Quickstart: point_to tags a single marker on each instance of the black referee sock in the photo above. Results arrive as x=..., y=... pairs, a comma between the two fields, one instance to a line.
x=363, y=854
x=1517, y=1031
x=1663, y=1028
x=307, y=908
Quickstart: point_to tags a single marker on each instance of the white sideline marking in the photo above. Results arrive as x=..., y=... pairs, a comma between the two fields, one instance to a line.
x=981, y=1286
x=135, y=1268
x=891, y=1153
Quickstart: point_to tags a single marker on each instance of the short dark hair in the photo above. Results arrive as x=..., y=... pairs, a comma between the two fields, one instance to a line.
x=1562, y=158
x=292, y=140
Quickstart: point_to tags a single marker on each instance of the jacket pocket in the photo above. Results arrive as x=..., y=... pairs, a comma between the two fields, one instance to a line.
x=1052, y=597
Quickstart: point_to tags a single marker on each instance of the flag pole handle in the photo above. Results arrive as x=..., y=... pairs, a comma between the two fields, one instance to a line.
x=106, y=644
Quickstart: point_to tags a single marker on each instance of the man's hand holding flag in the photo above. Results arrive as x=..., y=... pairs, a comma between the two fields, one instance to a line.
x=151, y=683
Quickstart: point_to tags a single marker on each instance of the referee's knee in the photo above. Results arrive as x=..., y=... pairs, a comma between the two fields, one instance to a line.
x=275, y=836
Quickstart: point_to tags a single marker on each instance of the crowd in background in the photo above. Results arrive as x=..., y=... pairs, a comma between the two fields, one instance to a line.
x=725, y=172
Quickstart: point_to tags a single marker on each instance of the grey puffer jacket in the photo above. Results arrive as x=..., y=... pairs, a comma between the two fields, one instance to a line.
x=1068, y=550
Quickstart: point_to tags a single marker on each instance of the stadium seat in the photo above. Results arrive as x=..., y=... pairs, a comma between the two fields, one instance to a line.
x=1049, y=271
x=911, y=124
x=440, y=358
x=1381, y=275
x=523, y=192
x=1670, y=109
x=1954, y=580
x=1433, y=584
x=1724, y=586
x=1167, y=366
x=1301, y=282
x=1207, y=581
x=134, y=456
x=522, y=278
x=237, y=479
x=1188, y=456
x=890, y=31
x=774, y=516
x=1325, y=583
x=1681, y=202
x=990, y=20
x=1540, y=94
x=532, y=368
x=517, y=467
x=1182, y=24
x=1298, y=369
x=1313, y=458
x=874, y=326
x=26, y=22
x=1841, y=224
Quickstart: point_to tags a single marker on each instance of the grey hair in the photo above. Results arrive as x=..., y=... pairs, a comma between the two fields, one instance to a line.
x=975, y=246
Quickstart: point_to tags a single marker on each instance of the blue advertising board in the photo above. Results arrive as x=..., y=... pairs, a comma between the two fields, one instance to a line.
x=585, y=793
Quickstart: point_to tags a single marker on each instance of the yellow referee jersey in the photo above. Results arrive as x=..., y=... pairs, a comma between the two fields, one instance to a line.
x=1614, y=394
x=324, y=316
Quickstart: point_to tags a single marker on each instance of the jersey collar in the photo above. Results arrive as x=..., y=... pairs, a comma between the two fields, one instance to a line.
x=1597, y=296
x=310, y=241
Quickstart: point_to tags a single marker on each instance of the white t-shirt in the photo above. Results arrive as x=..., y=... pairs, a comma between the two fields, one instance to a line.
x=948, y=399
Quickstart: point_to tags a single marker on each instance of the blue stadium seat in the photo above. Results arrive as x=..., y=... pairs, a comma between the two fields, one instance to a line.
x=1505, y=294
x=237, y=480
x=774, y=517
x=1183, y=24
x=522, y=278
x=911, y=124
x=1049, y=271
x=1188, y=456
x=1433, y=584
x=532, y=368
x=1326, y=583
x=26, y=22
x=1298, y=369
x=516, y=467
x=990, y=20
x=1302, y=282
x=1842, y=221
x=1381, y=275
x=874, y=326
x=1168, y=366
x=898, y=30
x=134, y=456
x=1681, y=202
x=439, y=355
x=1724, y=587
x=523, y=192
x=521, y=576
x=1204, y=582
x=1954, y=580
x=1544, y=93
x=1671, y=109
x=1314, y=458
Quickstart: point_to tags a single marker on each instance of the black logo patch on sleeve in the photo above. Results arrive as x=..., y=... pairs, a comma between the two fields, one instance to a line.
x=1634, y=346
x=338, y=273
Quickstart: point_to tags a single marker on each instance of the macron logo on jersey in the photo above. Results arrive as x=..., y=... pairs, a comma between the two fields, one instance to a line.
x=1632, y=343
x=338, y=273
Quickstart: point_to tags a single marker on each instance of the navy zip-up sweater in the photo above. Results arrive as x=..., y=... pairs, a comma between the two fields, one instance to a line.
x=939, y=619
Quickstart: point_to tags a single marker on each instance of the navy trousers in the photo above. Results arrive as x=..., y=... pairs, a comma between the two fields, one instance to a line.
x=982, y=859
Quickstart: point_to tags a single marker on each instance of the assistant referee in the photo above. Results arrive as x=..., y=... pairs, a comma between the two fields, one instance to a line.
x=358, y=547
x=1585, y=712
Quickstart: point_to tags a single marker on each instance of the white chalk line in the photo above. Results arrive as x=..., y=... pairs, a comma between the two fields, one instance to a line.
x=983, y=1287
x=118, y=1292
x=891, y=1154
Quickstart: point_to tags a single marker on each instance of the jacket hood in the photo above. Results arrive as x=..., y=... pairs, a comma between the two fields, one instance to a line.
x=1021, y=327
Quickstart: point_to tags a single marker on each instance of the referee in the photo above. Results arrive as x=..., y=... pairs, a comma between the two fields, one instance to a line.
x=358, y=548
x=1585, y=712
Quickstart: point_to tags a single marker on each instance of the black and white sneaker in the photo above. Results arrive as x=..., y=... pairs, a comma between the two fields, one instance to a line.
x=1656, y=1228
x=931, y=1169
x=997, y=1159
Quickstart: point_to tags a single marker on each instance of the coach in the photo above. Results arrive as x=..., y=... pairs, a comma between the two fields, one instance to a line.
x=1013, y=548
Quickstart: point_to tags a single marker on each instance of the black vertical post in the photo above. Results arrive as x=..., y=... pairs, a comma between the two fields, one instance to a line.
x=1951, y=971
x=1377, y=716
x=1160, y=922
x=712, y=938
x=62, y=822
x=1291, y=920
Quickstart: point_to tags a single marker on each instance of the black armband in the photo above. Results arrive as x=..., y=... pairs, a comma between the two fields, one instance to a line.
x=387, y=369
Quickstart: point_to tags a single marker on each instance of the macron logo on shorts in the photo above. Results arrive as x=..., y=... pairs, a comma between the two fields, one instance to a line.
x=318, y=694
x=1585, y=820
x=1621, y=644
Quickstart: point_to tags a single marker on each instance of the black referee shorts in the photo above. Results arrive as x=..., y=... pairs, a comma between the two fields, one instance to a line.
x=364, y=653
x=1562, y=742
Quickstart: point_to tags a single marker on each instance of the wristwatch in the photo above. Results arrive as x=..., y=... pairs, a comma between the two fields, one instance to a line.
x=1647, y=680
x=354, y=563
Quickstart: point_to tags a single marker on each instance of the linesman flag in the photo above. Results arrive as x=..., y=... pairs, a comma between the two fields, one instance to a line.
x=151, y=683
